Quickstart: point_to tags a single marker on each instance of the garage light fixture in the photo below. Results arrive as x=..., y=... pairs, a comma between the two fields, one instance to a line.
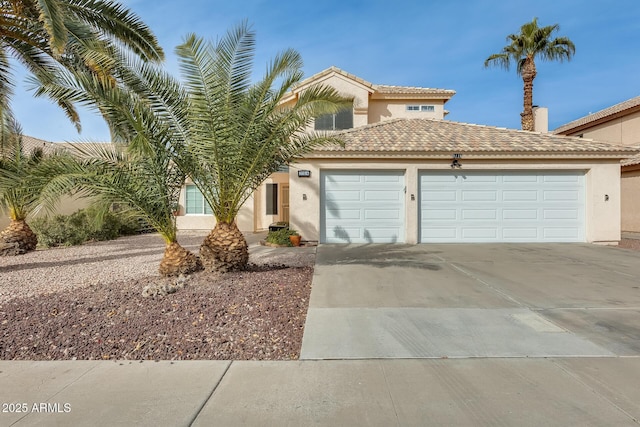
x=455, y=163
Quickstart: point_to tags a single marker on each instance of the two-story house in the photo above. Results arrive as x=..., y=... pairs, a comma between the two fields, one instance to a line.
x=405, y=174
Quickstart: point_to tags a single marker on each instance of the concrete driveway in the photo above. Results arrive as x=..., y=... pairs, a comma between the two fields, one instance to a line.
x=480, y=300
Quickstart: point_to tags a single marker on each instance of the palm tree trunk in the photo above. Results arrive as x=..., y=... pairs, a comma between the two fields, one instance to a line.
x=528, y=74
x=224, y=249
x=17, y=238
x=177, y=260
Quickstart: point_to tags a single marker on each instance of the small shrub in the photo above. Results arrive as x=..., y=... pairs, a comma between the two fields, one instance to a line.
x=281, y=237
x=80, y=227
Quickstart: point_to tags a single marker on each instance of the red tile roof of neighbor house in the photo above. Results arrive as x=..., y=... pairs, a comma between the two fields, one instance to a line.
x=599, y=115
x=430, y=135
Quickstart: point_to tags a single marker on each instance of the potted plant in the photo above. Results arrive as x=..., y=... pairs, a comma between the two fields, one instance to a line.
x=294, y=237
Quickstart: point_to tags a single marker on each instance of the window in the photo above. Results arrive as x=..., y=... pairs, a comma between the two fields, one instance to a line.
x=272, y=199
x=422, y=108
x=195, y=203
x=339, y=121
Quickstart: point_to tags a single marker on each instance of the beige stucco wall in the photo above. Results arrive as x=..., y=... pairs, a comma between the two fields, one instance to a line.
x=383, y=109
x=66, y=206
x=623, y=130
x=602, y=221
x=630, y=188
x=207, y=222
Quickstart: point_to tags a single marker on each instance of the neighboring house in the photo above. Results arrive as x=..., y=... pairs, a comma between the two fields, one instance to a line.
x=372, y=104
x=67, y=204
x=618, y=124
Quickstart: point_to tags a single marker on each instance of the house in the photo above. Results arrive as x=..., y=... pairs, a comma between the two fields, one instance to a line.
x=620, y=125
x=372, y=104
x=408, y=175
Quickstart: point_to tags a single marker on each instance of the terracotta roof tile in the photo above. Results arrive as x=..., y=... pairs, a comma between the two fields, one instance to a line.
x=632, y=161
x=610, y=111
x=412, y=90
x=429, y=135
x=382, y=89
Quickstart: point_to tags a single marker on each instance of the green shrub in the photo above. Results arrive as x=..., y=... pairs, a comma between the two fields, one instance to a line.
x=281, y=237
x=80, y=227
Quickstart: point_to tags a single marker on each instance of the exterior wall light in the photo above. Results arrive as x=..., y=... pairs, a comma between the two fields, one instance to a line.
x=455, y=163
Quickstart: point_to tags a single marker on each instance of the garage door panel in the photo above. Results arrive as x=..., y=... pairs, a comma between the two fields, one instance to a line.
x=479, y=233
x=553, y=195
x=394, y=214
x=443, y=196
x=519, y=214
x=481, y=196
x=520, y=196
x=440, y=214
x=519, y=233
x=362, y=207
x=343, y=195
x=482, y=214
x=513, y=206
x=381, y=195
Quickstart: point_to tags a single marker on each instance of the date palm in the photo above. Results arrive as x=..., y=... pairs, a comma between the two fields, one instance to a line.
x=18, y=191
x=51, y=38
x=138, y=173
x=217, y=127
x=240, y=132
x=532, y=42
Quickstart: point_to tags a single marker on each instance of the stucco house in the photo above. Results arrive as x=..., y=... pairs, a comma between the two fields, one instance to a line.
x=405, y=174
x=372, y=104
x=620, y=125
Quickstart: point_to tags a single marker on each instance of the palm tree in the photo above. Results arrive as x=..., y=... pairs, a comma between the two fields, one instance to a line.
x=138, y=174
x=18, y=190
x=532, y=42
x=240, y=133
x=227, y=134
x=53, y=37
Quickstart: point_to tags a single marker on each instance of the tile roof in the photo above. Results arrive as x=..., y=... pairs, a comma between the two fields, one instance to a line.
x=632, y=161
x=430, y=135
x=412, y=90
x=382, y=89
x=610, y=111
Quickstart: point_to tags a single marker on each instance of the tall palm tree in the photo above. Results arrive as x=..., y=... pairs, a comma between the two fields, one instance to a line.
x=53, y=37
x=240, y=132
x=532, y=42
x=19, y=191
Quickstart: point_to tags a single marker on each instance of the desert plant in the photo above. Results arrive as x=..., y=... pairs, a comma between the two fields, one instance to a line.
x=281, y=237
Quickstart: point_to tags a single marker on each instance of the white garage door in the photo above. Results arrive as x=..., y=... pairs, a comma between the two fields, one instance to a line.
x=516, y=206
x=362, y=207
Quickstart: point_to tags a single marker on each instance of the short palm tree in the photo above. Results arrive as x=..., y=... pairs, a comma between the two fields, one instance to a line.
x=54, y=37
x=225, y=133
x=241, y=132
x=138, y=174
x=19, y=191
x=532, y=42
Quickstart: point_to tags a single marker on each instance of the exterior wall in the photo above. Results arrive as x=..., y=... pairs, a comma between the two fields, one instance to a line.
x=623, y=131
x=630, y=187
x=66, y=206
x=602, y=178
x=380, y=110
x=207, y=222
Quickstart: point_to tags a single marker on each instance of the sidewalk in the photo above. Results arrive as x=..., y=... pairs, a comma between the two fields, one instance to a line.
x=519, y=391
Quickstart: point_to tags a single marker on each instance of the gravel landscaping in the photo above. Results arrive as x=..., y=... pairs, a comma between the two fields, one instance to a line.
x=86, y=302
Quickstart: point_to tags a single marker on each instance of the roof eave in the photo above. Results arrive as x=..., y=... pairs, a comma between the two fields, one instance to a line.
x=425, y=155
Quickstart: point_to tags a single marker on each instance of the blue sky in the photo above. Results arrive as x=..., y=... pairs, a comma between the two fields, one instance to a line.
x=424, y=43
